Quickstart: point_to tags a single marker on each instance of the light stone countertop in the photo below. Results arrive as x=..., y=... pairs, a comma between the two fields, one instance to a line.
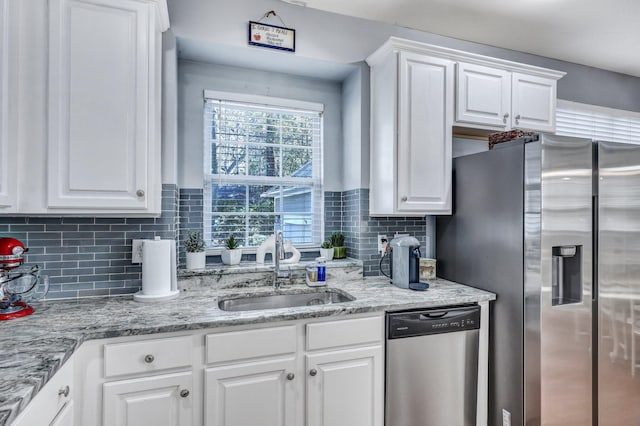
x=35, y=347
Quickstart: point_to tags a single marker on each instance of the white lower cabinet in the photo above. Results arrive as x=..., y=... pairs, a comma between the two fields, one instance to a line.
x=256, y=393
x=295, y=373
x=163, y=400
x=335, y=367
x=65, y=416
x=53, y=405
x=345, y=388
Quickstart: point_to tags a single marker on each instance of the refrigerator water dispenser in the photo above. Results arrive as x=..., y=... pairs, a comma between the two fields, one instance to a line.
x=566, y=271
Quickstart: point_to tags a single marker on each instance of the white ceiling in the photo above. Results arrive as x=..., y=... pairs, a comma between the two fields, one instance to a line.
x=599, y=33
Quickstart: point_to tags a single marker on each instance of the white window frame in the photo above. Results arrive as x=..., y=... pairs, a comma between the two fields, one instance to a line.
x=267, y=101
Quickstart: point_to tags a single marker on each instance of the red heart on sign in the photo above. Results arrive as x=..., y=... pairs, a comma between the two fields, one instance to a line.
x=256, y=37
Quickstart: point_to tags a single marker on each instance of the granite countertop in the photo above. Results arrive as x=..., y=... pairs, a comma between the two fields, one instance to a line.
x=35, y=347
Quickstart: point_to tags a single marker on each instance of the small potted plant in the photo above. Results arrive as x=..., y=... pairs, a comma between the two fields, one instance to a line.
x=231, y=253
x=326, y=250
x=195, y=248
x=339, y=249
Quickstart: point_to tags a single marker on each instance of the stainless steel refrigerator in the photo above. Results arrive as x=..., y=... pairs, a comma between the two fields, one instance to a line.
x=552, y=225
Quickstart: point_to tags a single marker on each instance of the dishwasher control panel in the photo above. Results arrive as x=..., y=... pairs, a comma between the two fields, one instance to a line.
x=432, y=321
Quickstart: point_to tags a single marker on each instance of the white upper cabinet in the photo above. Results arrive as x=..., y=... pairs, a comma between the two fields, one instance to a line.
x=104, y=116
x=533, y=102
x=497, y=98
x=8, y=155
x=411, y=118
x=483, y=95
x=418, y=93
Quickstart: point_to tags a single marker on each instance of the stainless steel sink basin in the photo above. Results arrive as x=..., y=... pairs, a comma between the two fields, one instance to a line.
x=286, y=300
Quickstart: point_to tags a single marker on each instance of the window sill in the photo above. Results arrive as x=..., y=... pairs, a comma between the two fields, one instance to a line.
x=253, y=267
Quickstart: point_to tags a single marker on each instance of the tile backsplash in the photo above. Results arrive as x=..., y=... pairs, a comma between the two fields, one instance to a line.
x=91, y=256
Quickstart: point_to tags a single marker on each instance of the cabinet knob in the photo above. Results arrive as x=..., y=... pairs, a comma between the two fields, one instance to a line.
x=184, y=393
x=313, y=372
x=290, y=376
x=504, y=119
x=140, y=193
x=149, y=358
x=404, y=199
x=64, y=391
x=517, y=118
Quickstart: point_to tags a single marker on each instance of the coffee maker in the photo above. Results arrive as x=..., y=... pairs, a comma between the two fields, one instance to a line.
x=405, y=263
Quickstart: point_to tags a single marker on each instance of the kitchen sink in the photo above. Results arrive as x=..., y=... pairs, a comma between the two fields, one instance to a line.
x=284, y=300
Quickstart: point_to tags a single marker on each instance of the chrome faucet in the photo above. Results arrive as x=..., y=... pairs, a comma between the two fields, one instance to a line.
x=278, y=255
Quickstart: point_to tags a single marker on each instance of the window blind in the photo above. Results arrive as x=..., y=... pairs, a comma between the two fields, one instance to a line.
x=598, y=123
x=263, y=169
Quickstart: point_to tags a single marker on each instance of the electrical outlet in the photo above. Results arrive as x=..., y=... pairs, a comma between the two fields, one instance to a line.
x=382, y=243
x=506, y=418
x=136, y=251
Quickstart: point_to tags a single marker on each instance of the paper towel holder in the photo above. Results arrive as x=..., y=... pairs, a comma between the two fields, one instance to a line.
x=151, y=291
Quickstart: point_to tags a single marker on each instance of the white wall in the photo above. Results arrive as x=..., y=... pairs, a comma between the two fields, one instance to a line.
x=195, y=77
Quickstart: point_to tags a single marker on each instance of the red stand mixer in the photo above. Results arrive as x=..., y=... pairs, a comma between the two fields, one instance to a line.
x=18, y=285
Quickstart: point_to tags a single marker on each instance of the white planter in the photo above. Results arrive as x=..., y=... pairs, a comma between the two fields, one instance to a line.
x=196, y=260
x=327, y=253
x=231, y=257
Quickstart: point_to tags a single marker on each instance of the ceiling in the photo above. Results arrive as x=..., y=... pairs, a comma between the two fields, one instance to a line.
x=600, y=33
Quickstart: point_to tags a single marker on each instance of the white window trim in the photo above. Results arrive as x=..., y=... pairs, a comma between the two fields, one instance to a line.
x=263, y=100
x=282, y=103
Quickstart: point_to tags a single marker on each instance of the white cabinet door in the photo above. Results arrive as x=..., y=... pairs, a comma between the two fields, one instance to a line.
x=8, y=150
x=483, y=95
x=164, y=400
x=65, y=416
x=533, y=102
x=425, y=118
x=103, y=152
x=256, y=393
x=345, y=388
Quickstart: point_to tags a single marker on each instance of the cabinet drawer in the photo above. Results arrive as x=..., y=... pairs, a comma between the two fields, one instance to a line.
x=147, y=356
x=246, y=344
x=344, y=333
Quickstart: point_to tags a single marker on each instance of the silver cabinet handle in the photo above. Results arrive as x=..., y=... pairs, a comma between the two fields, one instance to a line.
x=313, y=372
x=184, y=393
x=404, y=199
x=517, y=118
x=504, y=119
x=140, y=193
x=64, y=391
x=291, y=376
x=149, y=358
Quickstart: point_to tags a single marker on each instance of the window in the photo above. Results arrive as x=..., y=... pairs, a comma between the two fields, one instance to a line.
x=598, y=123
x=262, y=169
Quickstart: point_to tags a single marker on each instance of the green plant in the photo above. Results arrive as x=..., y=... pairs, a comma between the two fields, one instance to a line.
x=337, y=239
x=326, y=245
x=231, y=243
x=194, y=242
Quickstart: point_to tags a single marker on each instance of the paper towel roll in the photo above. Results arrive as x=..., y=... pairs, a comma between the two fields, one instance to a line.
x=158, y=270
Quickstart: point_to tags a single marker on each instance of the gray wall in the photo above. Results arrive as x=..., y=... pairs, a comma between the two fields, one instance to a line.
x=195, y=77
x=355, y=124
x=323, y=36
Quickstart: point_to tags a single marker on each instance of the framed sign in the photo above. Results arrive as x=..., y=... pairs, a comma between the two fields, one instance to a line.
x=272, y=36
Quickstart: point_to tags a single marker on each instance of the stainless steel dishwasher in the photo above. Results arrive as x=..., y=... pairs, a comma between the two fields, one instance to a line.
x=432, y=367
